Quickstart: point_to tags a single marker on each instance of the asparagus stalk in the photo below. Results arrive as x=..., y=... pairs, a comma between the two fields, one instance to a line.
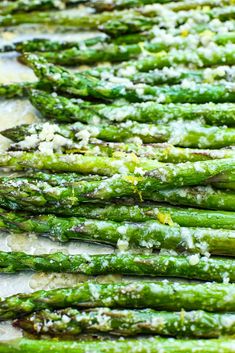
x=32, y=5
x=134, y=213
x=59, y=18
x=204, y=197
x=162, y=152
x=61, y=178
x=133, y=24
x=72, y=322
x=16, y=89
x=219, y=55
x=24, y=194
x=153, y=175
x=201, y=29
x=84, y=164
x=132, y=20
x=151, y=345
x=105, y=5
x=184, y=5
x=44, y=44
x=150, y=234
x=223, y=180
x=66, y=110
x=85, y=85
x=192, y=267
x=109, y=52
x=172, y=76
x=137, y=213
x=117, y=53
x=178, y=5
x=188, y=134
x=155, y=295
x=184, y=217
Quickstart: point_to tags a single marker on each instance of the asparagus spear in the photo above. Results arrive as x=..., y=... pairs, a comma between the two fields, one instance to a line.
x=136, y=20
x=59, y=18
x=193, y=267
x=200, y=57
x=85, y=164
x=105, y=5
x=172, y=76
x=120, y=212
x=24, y=194
x=126, y=212
x=117, y=53
x=72, y=322
x=156, y=174
x=204, y=197
x=156, y=295
x=184, y=5
x=150, y=234
x=188, y=134
x=16, y=89
x=151, y=345
x=178, y=5
x=109, y=52
x=44, y=44
x=135, y=213
x=162, y=152
x=67, y=110
x=85, y=85
x=201, y=29
x=61, y=178
x=133, y=24
x=32, y=5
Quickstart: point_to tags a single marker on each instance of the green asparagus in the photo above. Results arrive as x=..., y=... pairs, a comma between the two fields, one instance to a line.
x=120, y=212
x=88, y=56
x=72, y=322
x=201, y=57
x=136, y=19
x=61, y=178
x=17, y=89
x=162, y=152
x=32, y=5
x=158, y=44
x=151, y=17
x=156, y=295
x=187, y=134
x=204, y=197
x=128, y=163
x=207, y=31
x=58, y=18
x=152, y=345
x=184, y=5
x=67, y=110
x=172, y=76
x=44, y=44
x=178, y=5
x=155, y=77
x=20, y=193
x=84, y=85
x=151, y=174
x=123, y=235
x=105, y=5
x=118, y=53
x=192, y=267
